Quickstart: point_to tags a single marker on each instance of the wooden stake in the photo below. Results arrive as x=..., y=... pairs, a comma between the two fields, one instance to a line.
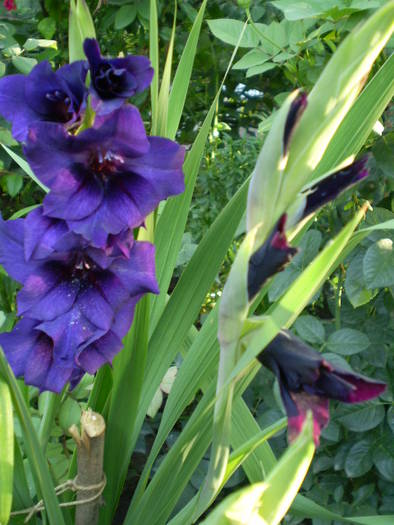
x=90, y=465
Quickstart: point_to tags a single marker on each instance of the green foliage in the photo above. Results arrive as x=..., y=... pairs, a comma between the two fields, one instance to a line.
x=346, y=316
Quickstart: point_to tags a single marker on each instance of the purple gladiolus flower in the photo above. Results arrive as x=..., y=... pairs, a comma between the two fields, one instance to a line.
x=107, y=178
x=269, y=259
x=81, y=298
x=330, y=187
x=43, y=95
x=115, y=80
x=307, y=381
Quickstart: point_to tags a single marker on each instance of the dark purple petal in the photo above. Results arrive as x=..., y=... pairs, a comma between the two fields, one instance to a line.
x=30, y=353
x=12, y=251
x=297, y=108
x=115, y=80
x=17, y=345
x=42, y=235
x=45, y=295
x=81, y=203
x=329, y=188
x=137, y=273
x=70, y=332
x=161, y=166
x=13, y=106
x=100, y=352
x=92, y=51
x=74, y=75
x=269, y=259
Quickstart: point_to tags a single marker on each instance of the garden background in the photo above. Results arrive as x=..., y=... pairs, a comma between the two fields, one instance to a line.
x=350, y=319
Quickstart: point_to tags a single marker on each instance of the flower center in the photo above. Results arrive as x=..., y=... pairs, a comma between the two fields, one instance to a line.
x=109, y=80
x=105, y=163
x=82, y=270
x=59, y=103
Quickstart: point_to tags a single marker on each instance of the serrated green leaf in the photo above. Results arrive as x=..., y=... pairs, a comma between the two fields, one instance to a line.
x=229, y=31
x=355, y=287
x=359, y=459
x=378, y=265
x=310, y=329
x=347, y=341
x=253, y=58
x=360, y=418
x=383, y=458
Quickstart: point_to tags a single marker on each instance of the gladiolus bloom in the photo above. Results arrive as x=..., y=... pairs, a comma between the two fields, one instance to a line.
x=307, y=381
x=108, y=178
x=77, y=301
x=43, y=95
x=114, y=80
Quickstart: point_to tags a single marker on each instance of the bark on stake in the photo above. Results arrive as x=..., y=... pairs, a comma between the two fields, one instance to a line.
x=90, y=466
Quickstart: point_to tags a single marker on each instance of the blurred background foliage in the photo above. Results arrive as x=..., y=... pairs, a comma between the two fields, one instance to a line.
x=351, y=318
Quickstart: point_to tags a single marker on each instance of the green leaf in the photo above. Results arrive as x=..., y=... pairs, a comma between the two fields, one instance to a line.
x=253, y=58
x=355, y=287
x=6, y=452
x=257, y=70
x=164, y=93
x=125, y=16
x=267, y=502
x=359, y=459
x=378, y=264
x=229, y=31
x=24, y=64
x=69, y=414
x=383, y=457
x=80, y=26
x=294, y=10
x=182, y=76
x=129, y=368
x=34, y=43
x=154, y=58
x=47, y=27
x=390, y=418
x=358, y=123
x=360, y=418
x=14, y=184
x=347, y=341
x=38, y=464
x=310, y=329
x=25, y=167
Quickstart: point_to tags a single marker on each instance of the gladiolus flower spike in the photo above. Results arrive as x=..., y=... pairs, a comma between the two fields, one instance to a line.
x=80, y=268
x=307, y=381
x=77, y=301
